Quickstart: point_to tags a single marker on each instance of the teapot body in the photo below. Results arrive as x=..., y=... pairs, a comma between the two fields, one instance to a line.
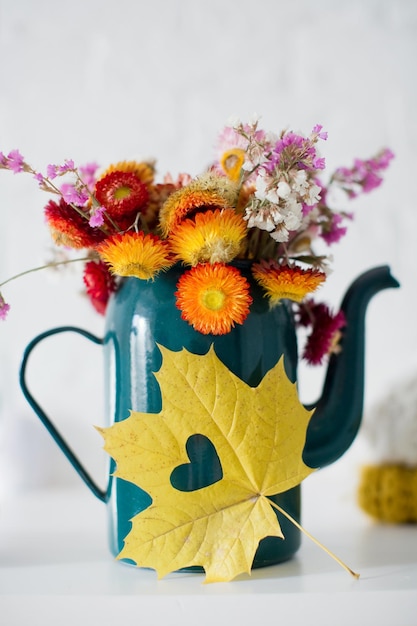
x=143, y=315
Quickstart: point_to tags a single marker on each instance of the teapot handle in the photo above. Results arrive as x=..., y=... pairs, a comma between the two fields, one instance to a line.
x=101, y=494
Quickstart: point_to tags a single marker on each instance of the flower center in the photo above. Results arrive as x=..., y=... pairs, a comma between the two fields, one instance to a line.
x=122, y=192
x=213, y=299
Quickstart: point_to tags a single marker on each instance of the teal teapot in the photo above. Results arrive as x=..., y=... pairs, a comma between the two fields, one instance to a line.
x=142, y=315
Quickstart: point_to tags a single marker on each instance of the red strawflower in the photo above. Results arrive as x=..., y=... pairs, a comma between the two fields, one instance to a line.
x=69, y=228
x=100, y=284
x=325, y=335
x=121, y=193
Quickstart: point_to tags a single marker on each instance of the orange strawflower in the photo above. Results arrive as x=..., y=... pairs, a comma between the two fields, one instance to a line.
x=213, y=298
x=158, y=194
x=207, y=192
x=281, y=282
x=212, y=236
x=135, y=254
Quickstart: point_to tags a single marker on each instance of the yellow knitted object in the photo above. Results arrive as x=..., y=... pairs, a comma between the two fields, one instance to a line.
x=389, y=493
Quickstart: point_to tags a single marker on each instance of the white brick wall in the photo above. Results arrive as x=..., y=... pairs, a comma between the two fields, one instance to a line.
x=96, y=80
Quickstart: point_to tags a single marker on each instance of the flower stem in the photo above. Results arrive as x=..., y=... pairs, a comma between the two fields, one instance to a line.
x=316, y=541
x=43, y=267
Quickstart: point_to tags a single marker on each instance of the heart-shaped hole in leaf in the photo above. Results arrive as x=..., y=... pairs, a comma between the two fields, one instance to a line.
x=204, y=468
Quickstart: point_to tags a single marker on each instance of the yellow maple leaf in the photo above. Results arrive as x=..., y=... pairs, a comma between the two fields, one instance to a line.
x=259, y=435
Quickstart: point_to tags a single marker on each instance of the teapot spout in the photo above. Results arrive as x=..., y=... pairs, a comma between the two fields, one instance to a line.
x=338, y=414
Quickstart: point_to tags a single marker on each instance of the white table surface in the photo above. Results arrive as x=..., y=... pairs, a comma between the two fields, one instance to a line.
x=55, y=569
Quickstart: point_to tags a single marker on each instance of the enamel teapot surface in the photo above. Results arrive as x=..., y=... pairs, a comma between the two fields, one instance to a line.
x=142, y=315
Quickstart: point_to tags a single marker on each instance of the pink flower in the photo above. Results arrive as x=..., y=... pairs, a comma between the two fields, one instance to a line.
x=73, y=195
x=319, y=163
x=332, y=231
x=317, y=131
x=88, y=174
x=4, y=308
x=364, y=175
x=52, y=171
x=68, y=166
x=15, y=161
x=96, y=218
x=3, y=160
x=293, y=150
x=384, y=158
x=230, y=138
x=371, y=181
x=39, y=177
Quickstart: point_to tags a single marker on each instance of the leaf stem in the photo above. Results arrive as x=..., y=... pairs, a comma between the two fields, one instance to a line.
x=316, y=541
